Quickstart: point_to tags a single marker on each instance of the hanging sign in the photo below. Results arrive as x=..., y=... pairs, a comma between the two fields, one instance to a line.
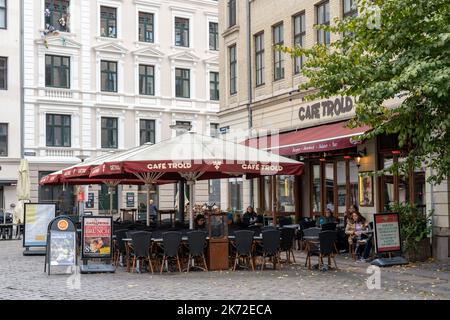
x=61, y=243
x=130, y=199
x=96, y=237
x=387, y=232
x=37, y=216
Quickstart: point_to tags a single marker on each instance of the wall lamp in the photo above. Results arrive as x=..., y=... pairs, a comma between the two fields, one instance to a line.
x=323, y=157
x=362, y=153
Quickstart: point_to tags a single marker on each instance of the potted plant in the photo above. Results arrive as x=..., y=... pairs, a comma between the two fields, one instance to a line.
x=415, y=228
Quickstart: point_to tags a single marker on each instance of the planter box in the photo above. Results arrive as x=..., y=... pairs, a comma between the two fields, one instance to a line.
x=421, y=253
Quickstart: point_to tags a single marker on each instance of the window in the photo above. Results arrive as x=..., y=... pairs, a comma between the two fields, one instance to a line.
x=233, y=69
x=108, y=22
x=182, y=127
x=213, y=36
x=214, y=130
x=259, y=58
x=147, y=131
x=3, y=139
x=182, y=83
x=214, y=85
x=349, y=8
x=231, y=13
x=104, y=198
x=109, y=133
x=64, y=197
x=285, y=193
x=109, y=76
x=56, y=15
x=2, y=14
x=316, y=189
x=146, y=25
x=181, y=32
x=58, y=130
x=214, y=191
x=235, y=194
x=278, y=57
x=299, y=39
x=3, y=73
x=57, y=71
x=323, y=18
x=146, y=80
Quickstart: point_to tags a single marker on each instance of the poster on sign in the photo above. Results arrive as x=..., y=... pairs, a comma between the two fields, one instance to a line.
x=37, y=216
x=387, y=232
x=63, y=248
x=96, y=237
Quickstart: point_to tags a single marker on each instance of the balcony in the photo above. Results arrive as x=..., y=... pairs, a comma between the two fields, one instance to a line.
x=59, y=152
x=55, y=93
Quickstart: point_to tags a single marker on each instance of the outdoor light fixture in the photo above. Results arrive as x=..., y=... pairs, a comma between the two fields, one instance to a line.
x=362, y=153
x=323, y=157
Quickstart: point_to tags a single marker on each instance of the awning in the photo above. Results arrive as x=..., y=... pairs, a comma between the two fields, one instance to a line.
x=327, y=137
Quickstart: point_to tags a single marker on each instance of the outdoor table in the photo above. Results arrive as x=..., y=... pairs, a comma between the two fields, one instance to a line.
x=6, y=231
x=128, y=213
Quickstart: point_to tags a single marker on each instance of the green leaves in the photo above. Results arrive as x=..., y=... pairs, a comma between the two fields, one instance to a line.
x=406, y=53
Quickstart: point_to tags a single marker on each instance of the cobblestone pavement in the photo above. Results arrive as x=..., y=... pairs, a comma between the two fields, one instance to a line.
x=23, y=277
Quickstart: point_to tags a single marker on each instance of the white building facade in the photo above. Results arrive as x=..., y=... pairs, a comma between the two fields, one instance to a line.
x=107, y=75
x=10, y=151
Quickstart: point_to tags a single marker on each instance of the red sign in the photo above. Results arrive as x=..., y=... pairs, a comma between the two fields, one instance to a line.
x=387, y=232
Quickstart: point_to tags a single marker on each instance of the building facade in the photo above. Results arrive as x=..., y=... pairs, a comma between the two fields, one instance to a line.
x=10, y=102
x=260, y=99
x=108, y=75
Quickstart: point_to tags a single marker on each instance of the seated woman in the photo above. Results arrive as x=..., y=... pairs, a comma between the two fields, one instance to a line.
x=200, y=222
x=250, y=216
x=356, y=226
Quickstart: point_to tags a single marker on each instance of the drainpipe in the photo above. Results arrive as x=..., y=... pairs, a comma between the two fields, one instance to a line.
x=22, y=90
x=250, y=85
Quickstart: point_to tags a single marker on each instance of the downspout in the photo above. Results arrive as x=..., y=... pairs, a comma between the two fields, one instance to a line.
x=22, y=90
x=250, y=85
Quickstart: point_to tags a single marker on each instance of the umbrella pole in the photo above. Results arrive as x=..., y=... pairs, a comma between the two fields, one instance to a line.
x=191, y=184
x=148, y=205
x=110, y=200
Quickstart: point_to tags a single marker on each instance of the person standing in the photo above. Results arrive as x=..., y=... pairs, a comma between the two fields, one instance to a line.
x=153, y=210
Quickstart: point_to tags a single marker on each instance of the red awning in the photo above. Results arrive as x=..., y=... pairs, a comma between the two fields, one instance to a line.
x=327, y=137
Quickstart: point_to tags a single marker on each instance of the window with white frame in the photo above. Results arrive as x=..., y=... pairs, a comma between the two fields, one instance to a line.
x=108, y=22
x=108, y=76
x=181, y=32
x=213, y=36
x=57, y=71
x=146, y=27
x=109, y=133
x=147, y=131
x=3, y=139
x=233, y=69
x=3, y=73
x=214, y=86
x=57, y=15
x=146, y=80
x=182, y=83
x=58, y=130
x=3, y=14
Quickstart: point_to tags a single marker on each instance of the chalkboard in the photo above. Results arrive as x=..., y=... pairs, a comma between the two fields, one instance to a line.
x=90, y=200
x=130, y=199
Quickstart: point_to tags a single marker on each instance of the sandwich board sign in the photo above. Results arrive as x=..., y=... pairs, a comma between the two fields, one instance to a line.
x=37, y=217
x=387, y=238
x=96, y=243
x=61, y=243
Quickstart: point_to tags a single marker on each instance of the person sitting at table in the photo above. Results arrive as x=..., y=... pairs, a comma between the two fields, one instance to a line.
x=200, y=222
x=349, y=213
x=250, y=217
x=355, y=229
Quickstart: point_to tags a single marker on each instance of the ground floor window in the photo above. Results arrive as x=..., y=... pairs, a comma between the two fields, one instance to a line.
x=63, y=196
x=143, y=201
x=104, y=200
x=235, y=191
x=333, y=185
x=285, y=193
x=214, y=191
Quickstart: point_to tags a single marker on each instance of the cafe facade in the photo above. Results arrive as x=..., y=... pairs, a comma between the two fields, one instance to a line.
x=260, y=97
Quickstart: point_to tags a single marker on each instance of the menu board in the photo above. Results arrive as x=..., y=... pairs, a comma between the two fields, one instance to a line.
x=37, y=216
x=62, y=248
x=130, y=199
x=90, y=200
x=387, y=232
x=96, y=237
